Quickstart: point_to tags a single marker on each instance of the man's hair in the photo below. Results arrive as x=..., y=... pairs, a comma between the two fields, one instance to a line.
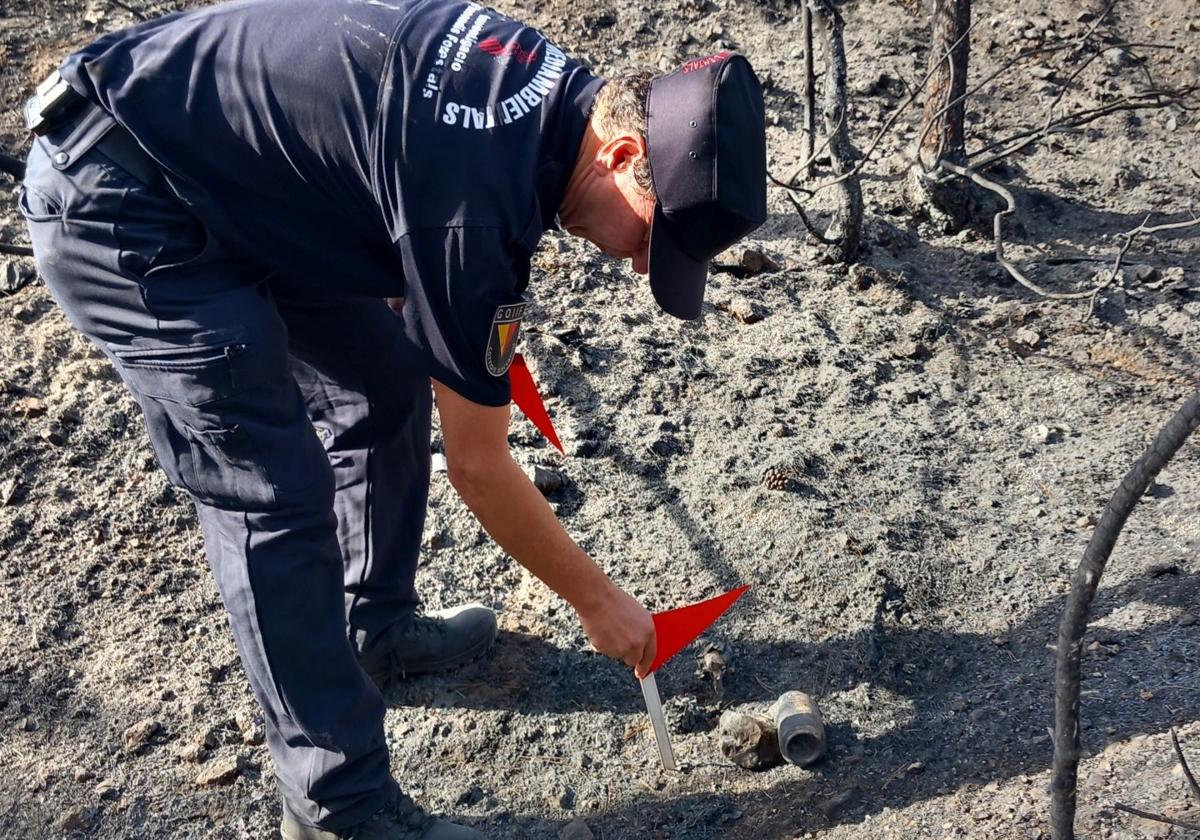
x=620, y=108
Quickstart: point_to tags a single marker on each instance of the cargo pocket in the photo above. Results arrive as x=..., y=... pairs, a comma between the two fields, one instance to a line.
x=193, y=397
x=225, y=470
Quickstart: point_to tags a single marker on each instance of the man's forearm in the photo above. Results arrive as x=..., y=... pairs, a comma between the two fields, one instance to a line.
x=514, y=513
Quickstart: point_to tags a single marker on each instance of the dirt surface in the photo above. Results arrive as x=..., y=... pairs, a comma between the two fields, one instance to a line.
x=946, y=439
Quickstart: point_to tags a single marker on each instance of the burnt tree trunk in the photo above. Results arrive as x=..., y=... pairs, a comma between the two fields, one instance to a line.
x=845, y=229
x=942, y=137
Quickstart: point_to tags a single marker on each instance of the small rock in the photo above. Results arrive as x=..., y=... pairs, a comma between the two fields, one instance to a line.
x=107, y=789
x=1143, y=273
x=1042, y=433
x=221, y=772
x=206, y=737
x=192, y=753
x=17, y=274
x=547, y=480
x=742, y=310
x=137, y=737
x=78, y=819
x=566, y=799
x=30, y=406
x=81, y=774
x=908, y=349
x=1040, y=71
x=1188, y=620
x=8, y=491
x=576, y=829
x=1028, y=336
x=834, y=804
x=1085, y=521
x=749, y=740
x=1157, y=570
x=1118, y=57
x=685, y=716
x=248, y=724
x=756, y=262
x=470, y=796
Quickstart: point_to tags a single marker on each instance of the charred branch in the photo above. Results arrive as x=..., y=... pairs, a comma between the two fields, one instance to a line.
x=1064, y=775
x=810, y=93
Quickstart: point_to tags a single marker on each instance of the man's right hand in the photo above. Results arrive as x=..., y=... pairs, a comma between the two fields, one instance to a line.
x=618, y=626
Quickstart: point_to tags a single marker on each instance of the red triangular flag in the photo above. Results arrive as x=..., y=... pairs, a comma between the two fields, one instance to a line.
x=525, y=395
x=677, y=628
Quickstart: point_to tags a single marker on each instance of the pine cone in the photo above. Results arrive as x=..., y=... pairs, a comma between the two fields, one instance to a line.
x=776, y=478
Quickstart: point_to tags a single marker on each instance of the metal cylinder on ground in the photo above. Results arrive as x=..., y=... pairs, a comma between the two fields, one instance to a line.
x=801, y=731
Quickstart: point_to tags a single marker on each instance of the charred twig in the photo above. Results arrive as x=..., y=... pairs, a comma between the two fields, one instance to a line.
x=1146, y=815
x=1064, y=776
x=810, y=95
x=1016, y=273
x=805, y=168
x=998, y=230
x=1146, y=99
x=15, y=250
x=813, y=231
x=1130, y=235
x=1187, y=771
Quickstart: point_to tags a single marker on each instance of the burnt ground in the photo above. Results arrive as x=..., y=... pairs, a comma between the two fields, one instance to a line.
x=950, y=438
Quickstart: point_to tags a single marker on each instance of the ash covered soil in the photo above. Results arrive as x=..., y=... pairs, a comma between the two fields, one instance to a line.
x=946, y=437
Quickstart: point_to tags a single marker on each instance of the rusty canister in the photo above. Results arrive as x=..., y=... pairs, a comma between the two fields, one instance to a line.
x=801, y=730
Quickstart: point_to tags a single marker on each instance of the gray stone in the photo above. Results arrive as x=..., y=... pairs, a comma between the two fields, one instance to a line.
x=576, y=829
x=224, y=771
x=137, y=737
x=547, y=480
x=749, y=740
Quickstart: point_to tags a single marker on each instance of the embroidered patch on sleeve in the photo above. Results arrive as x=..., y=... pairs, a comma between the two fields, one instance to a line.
x=502, y=340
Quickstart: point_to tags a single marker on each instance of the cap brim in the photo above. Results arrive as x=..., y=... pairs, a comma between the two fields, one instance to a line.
x=676, y=279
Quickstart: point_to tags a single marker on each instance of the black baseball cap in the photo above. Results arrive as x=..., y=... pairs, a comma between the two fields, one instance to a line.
x=707, y=146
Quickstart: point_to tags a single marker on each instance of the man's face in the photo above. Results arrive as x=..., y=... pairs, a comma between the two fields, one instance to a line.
x=616, y=212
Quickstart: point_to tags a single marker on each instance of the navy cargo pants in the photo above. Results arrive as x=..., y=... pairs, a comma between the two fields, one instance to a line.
x=298, y=425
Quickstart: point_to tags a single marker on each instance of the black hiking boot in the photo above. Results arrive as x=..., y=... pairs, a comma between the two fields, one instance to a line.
x=400, y=819
x=433, y=642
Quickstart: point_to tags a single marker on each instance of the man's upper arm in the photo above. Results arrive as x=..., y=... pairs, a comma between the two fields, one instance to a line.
x=475, y=435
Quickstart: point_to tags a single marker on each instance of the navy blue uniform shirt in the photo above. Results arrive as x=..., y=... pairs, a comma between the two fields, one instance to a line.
x=414, y=149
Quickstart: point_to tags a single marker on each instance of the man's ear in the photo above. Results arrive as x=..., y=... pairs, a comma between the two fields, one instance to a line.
x=621, y=152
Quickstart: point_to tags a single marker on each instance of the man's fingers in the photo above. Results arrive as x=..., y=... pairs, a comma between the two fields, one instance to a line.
x=647, y=658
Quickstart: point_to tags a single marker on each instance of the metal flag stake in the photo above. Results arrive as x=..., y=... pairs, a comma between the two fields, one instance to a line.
x=674, y=630
x=654, y=707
